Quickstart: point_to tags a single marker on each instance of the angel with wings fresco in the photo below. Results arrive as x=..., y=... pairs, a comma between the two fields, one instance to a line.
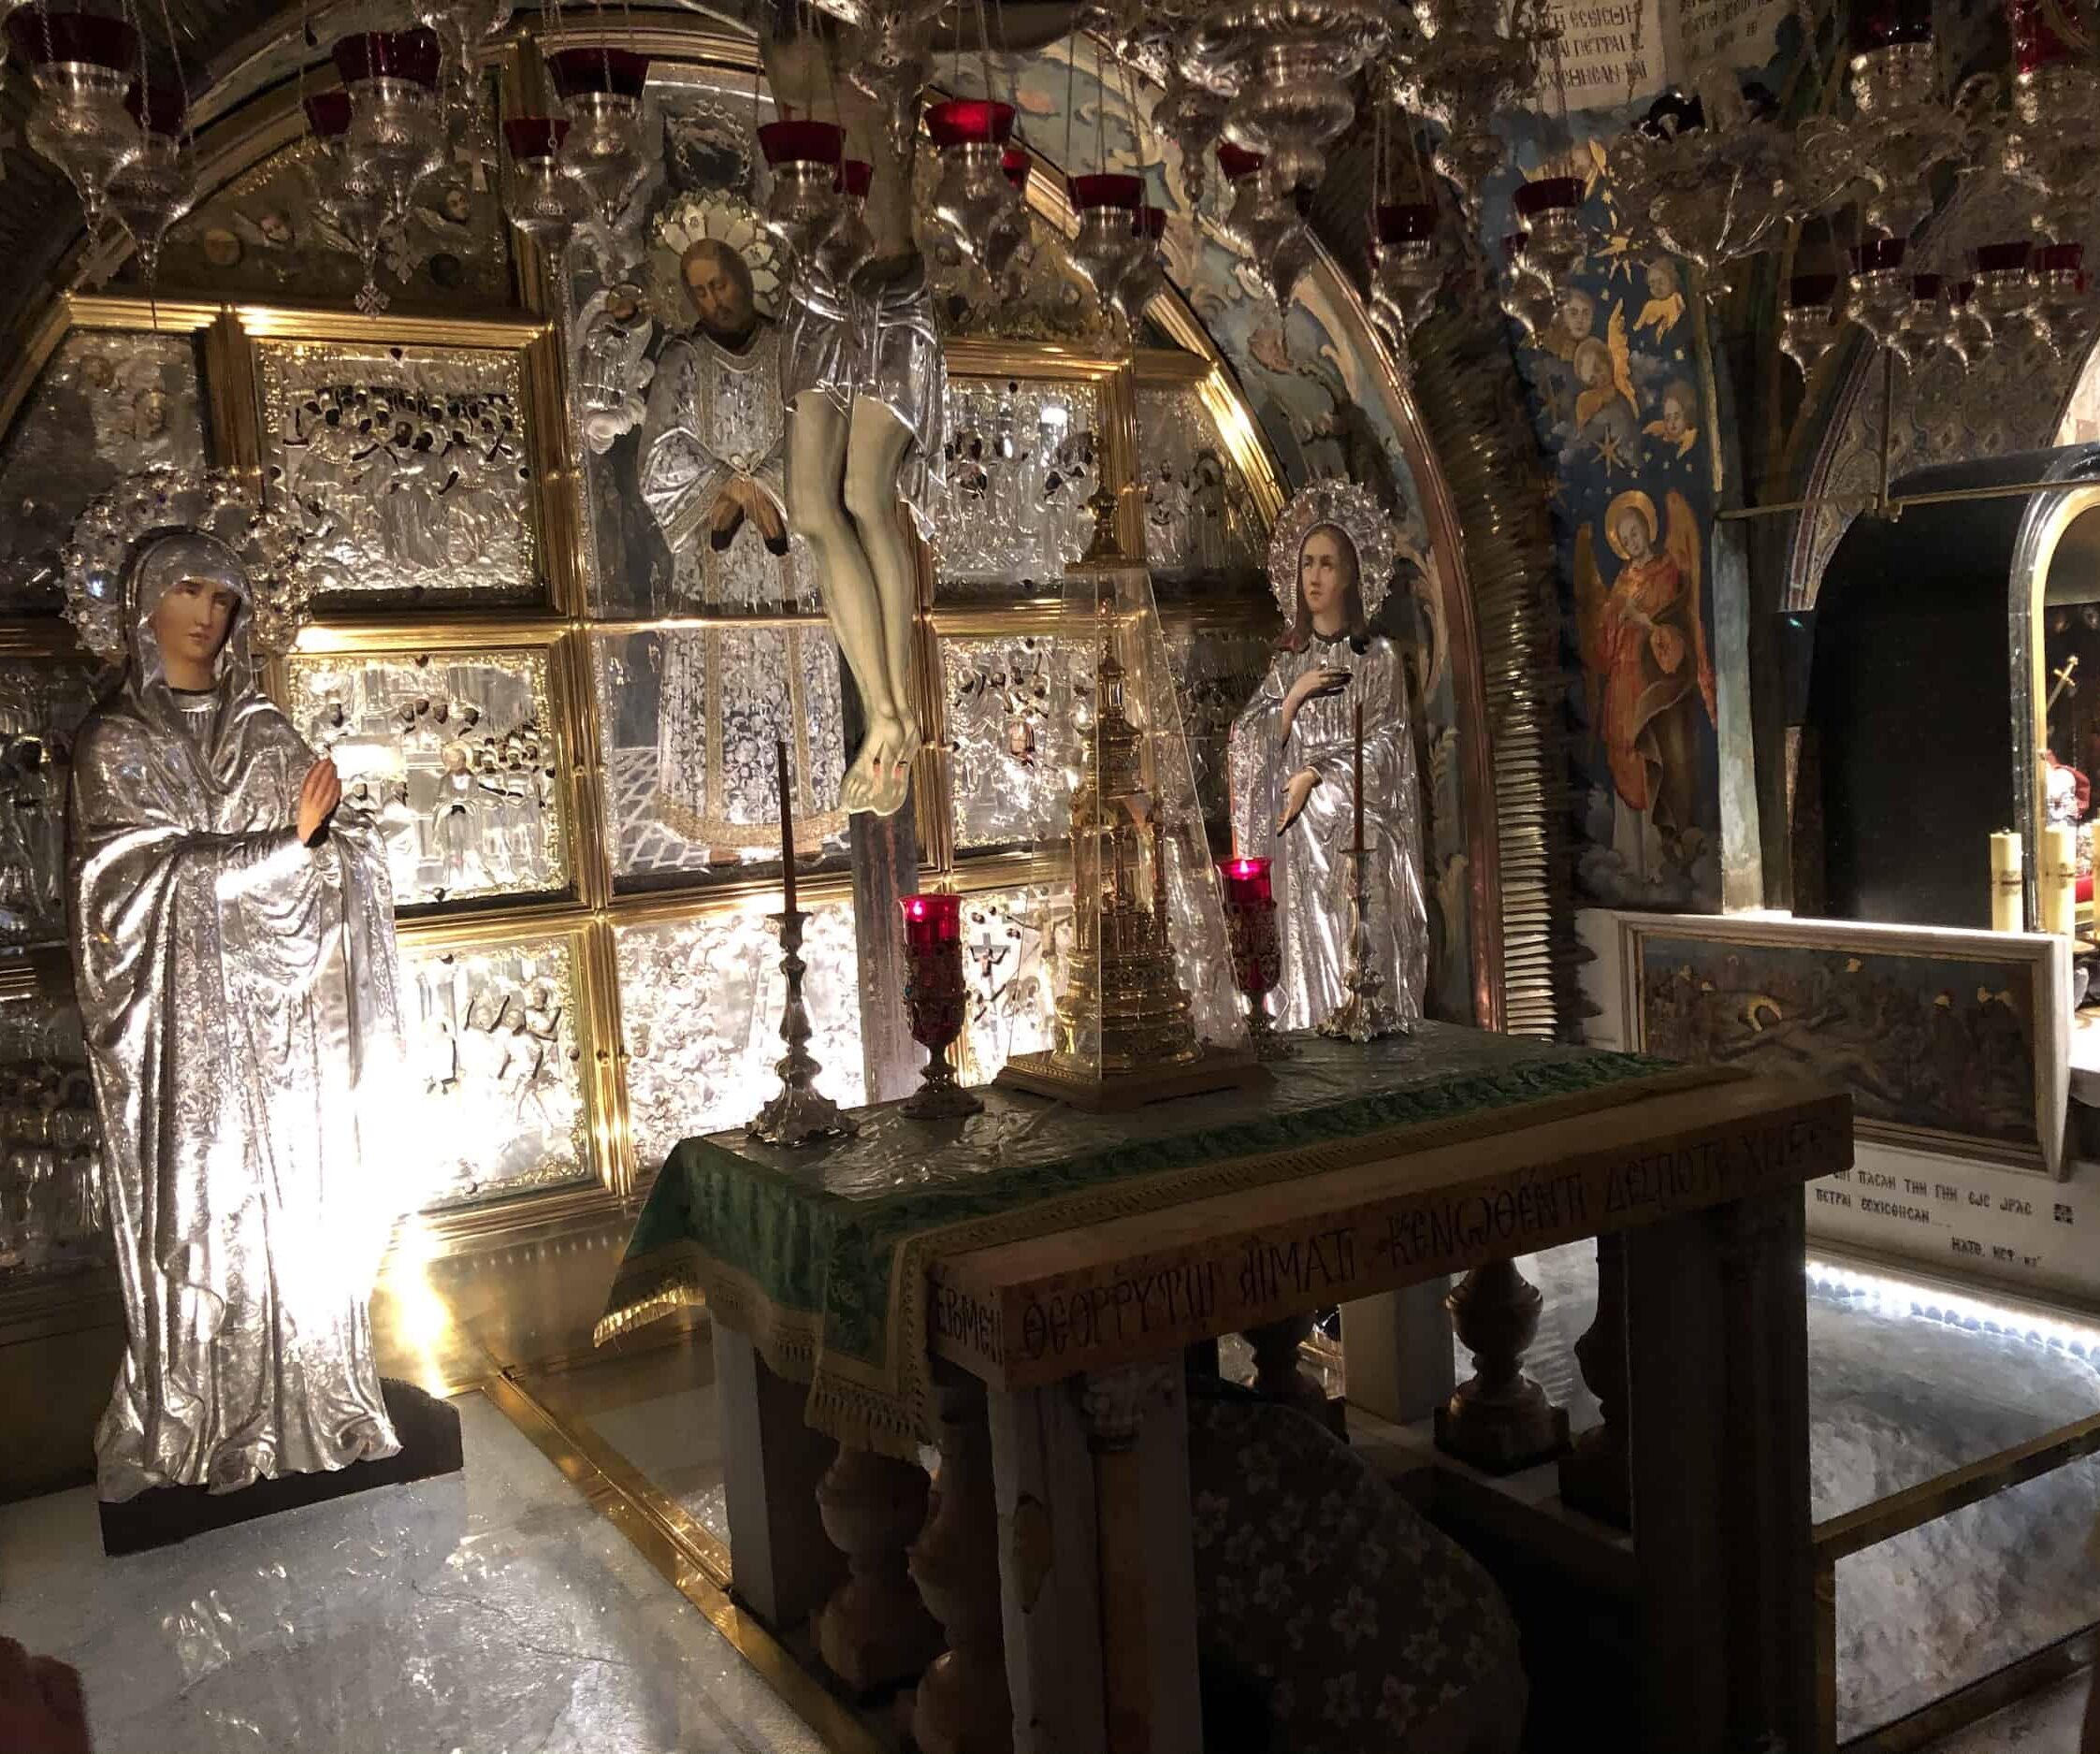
x=1647, y=673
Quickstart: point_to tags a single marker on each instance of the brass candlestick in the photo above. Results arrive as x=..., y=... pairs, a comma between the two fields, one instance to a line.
x=1363, y=1015
x=800, y=1115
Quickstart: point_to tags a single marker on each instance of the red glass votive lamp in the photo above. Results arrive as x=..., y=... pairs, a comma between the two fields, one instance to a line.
x=1257, y=952
x=936, y=1002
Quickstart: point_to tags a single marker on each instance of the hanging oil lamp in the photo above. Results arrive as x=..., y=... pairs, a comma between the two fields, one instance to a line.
x=82, y=68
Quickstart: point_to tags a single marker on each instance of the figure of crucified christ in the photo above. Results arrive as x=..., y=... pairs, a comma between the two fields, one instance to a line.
x=865, y=387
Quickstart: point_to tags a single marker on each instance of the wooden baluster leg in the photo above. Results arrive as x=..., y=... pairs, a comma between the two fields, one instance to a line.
x=1499, y=1419
x=962, y=1705
x=873, y=1631
x=1717, y=1424
x=1595, y=1475
x=782, y=1564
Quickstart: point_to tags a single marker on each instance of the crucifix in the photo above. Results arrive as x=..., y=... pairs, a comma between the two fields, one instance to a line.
x=2061, y=678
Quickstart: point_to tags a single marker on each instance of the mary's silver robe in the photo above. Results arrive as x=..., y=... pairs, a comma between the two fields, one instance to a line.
x=236, y=989
x=1311, y=868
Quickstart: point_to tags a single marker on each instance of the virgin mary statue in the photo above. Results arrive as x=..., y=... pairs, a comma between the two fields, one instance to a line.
x=233, y=949
x=1294, y=768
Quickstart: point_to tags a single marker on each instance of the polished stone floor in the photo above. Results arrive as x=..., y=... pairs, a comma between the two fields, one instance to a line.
x=492, y=1612
x=2048, y=1723
x=498, y=1612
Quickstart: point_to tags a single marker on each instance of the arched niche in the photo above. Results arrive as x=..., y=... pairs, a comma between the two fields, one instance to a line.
x=1927, y=710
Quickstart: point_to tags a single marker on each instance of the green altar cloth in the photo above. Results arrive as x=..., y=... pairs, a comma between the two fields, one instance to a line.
x=820, y=1255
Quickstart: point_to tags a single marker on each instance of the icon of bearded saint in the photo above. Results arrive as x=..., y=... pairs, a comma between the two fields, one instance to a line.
x=713, y=435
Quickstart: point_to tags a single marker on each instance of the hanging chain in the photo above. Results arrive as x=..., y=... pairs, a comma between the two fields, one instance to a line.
x=1071, y=93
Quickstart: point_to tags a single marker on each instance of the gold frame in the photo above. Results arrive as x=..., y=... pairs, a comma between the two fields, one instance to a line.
x=531, y=924
x=542, y=405
x=527, y=640
x=1117, y=380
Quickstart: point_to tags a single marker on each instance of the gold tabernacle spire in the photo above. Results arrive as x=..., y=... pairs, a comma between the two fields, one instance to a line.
x=1146, y=1011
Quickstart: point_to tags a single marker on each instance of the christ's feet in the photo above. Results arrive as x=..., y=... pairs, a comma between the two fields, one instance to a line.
x=879, y=779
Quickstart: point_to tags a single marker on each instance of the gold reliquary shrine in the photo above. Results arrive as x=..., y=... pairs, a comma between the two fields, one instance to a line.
x=1148, y=1008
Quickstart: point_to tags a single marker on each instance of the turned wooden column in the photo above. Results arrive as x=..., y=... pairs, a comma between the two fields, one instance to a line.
x=962, y=1705
x=1499, y=1419
x=1596, y=1474
x=873, y=1631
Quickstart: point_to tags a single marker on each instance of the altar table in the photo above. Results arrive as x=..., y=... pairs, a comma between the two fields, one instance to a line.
x=1044, y=1269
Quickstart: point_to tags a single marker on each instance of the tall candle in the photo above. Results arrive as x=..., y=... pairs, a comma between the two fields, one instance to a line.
x=2008, y=902
x=1359, y=780
x=786, y=828
x=2059, y=882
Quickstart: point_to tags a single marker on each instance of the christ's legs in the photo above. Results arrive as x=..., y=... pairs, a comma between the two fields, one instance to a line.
x=875, y=453
x=816, y=447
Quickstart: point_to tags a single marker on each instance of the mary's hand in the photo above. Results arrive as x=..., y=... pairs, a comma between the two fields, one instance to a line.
x=1297, y=789
x=319, y=794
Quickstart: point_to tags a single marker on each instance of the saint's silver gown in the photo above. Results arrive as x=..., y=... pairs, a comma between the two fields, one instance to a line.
x=1309, y=868
x=236, y=989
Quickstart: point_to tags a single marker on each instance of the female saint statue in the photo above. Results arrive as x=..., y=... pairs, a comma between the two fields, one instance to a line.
x=1293, y=760
x=233, y=948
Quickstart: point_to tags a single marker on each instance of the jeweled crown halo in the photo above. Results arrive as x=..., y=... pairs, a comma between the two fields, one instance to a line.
x=1352, y=509
x=154, y=502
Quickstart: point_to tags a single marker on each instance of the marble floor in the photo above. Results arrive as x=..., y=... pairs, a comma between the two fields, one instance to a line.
x=2046, y=1724
x=491, y=1612
x=496, y=1611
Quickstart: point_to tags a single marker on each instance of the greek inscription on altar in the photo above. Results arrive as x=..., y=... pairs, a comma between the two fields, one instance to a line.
x=1038, y=1328
x=974, y=1323
x=1423, y=1234
x=1127, y=1308
x=1271, y=1269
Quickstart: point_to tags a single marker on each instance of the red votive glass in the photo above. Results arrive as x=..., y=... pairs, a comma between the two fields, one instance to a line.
x=1247, y=883
x=936, y=1002
x=1257, y=953
x=931, y=923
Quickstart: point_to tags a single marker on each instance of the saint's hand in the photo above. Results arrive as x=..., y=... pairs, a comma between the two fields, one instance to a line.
x=321, y=792
x=1319, y=683
x=1297, y=789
